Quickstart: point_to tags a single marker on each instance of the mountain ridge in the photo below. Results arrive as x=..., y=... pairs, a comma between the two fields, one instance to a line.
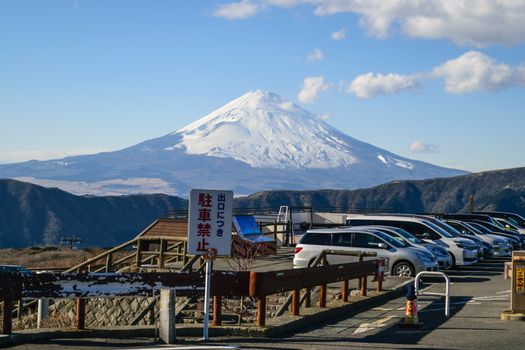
x=35, y=215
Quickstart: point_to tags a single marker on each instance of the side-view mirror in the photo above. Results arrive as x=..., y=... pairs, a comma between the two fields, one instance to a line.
x=464, y=232
x=383, y=246
x=426, y=235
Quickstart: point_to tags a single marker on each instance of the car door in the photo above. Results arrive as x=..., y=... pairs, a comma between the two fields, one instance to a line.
x=366, y=242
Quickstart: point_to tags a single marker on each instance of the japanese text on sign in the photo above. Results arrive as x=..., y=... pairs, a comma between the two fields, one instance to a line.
x=520, y=279
x=210, y=220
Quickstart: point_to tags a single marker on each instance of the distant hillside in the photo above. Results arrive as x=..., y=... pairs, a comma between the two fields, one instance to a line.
x=502, y=190
x=34, y=215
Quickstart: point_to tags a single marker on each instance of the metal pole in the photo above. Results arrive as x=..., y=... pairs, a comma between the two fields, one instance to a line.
x=43, y=311
x=207, y=287
x=447, y=288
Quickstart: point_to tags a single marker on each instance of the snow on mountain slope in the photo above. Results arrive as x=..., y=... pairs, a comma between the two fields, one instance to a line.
x=265, y=130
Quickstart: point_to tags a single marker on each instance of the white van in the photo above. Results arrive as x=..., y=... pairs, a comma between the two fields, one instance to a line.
x=462, y=251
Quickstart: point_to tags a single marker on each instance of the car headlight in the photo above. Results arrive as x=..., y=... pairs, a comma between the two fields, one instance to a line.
x=425, y=257
x=465, y=246
x=437, y=251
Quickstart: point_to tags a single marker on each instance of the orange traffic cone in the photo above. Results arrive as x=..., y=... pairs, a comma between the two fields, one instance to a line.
x=411, y=315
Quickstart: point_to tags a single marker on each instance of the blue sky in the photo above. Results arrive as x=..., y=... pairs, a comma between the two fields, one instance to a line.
x=429, y=80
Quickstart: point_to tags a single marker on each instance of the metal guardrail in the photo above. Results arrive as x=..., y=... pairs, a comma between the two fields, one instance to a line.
x=447, y=288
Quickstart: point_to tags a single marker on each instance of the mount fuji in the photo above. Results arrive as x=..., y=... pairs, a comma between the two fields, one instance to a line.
x=258, y=141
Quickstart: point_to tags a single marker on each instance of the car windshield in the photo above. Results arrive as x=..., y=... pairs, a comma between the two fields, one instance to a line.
x=514, y=221
x=473, y=229
x=408, y=236
x=390, y=239
x=438, y=229
x=447, y=227
x=480, y=227
x=507, y=222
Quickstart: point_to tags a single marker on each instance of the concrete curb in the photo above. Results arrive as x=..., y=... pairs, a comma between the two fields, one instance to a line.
x=512, y=316
x=274, y=328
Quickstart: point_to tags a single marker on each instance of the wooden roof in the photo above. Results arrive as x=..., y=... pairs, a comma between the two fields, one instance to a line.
x=167, y=228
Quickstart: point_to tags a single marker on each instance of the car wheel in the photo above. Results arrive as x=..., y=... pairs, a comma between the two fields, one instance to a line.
x=453, y=260
x=403, y=269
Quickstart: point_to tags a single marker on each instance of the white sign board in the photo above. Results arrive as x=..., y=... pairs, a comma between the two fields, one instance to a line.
x=210, y=221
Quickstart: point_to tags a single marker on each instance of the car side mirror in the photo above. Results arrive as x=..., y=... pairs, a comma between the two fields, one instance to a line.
x=426, y=235
x=383, y=246
x=464, y=232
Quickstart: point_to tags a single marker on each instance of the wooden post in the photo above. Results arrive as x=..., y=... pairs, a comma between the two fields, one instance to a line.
x=296, y=297
x=81, y=314
x=217, y=310
x=308, y=301
x=163, y=246
x=322, y=294
x=275, y=231
x=7, y=317
x=185, y=256
x=379, y=286
x=108, y=262
x=345, y=291
x=363, y=286
x=471, y=203
x=261, y=311
x=138, y=257
x=20, y=308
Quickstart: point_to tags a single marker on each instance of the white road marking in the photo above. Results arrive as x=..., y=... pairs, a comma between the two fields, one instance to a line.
x=365, y=327
x=504, y=292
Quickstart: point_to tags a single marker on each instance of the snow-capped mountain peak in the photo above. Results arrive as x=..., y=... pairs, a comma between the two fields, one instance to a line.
x=265, y=130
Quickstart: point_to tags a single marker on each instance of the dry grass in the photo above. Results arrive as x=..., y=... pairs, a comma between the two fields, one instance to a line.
x=46, y=257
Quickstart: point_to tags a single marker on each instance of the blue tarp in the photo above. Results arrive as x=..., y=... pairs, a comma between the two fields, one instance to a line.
x=247, y=228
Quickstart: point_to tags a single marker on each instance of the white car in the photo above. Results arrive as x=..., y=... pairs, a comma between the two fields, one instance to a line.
x=443, y=258
x=401, y=259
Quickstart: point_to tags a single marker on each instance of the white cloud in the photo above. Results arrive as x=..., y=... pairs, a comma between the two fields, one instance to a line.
x=470, y=22
x=422, y=147
x=316, y=55
x=312, y=86
x=238, y=10
x=475, y=71
x=371, y=85
x=15, y=156
x=339, y=34
x=471, y=72
x=464, y=22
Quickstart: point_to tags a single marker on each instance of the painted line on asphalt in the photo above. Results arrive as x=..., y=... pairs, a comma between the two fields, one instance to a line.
x=365, y=327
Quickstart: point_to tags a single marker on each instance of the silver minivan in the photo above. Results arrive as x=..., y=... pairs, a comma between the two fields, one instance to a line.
x=401, y=259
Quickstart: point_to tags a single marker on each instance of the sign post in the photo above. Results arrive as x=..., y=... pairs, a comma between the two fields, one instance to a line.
x=209, y=233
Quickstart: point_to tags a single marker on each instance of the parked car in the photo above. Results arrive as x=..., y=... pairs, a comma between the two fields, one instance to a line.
x=443, y=258
x=16, y=270
x=499, y=229
x=515, y=241
x=502, y=246
x=516, y=219
x=483, y=249
x=401, y=259
x=462, y=251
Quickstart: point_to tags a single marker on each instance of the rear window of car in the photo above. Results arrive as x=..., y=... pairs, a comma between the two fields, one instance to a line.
x=316, y=238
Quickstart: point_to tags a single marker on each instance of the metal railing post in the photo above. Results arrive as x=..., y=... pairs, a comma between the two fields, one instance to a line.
x=447, y=288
